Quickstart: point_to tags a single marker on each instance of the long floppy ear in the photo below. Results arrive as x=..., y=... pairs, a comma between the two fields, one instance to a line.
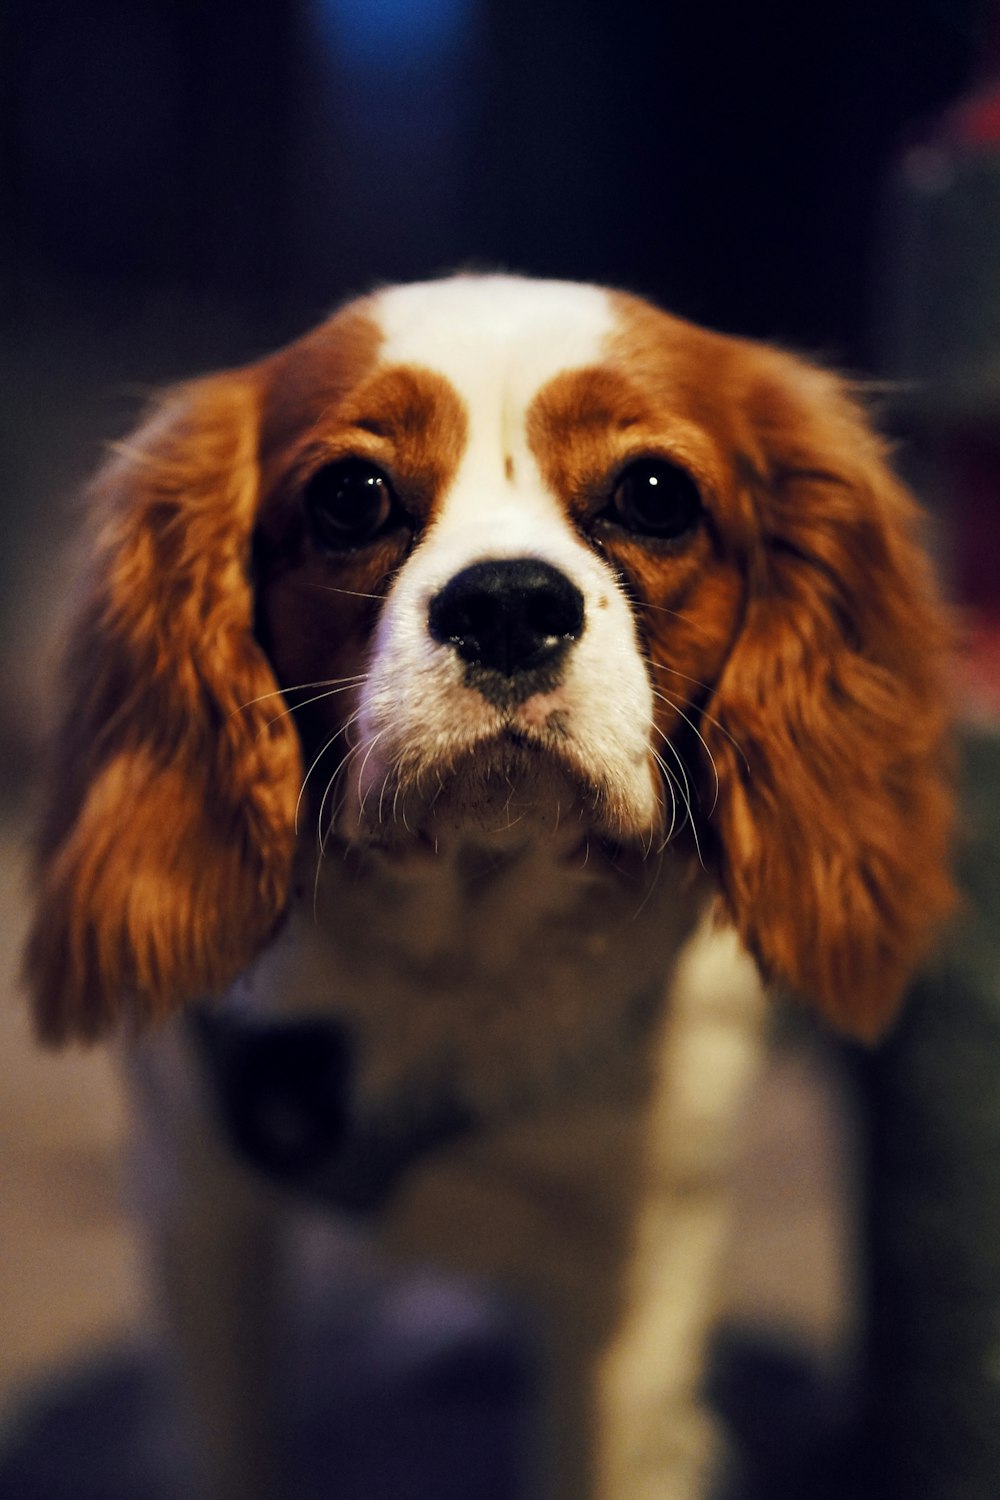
x=830, y=719
x=165, y=855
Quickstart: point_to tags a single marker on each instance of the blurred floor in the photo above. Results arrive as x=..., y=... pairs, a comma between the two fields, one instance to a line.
x=70, y=1279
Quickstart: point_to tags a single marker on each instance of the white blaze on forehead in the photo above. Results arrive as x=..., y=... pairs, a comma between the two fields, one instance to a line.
x=497, y=340
x=516, y=329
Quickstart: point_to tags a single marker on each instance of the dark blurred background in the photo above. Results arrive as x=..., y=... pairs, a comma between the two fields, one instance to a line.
x=727, y=159
x=186, y=183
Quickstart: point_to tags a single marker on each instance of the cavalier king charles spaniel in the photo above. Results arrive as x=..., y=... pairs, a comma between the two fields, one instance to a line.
x=475, y=708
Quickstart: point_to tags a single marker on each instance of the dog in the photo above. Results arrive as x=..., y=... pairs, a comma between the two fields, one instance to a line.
x=475, y=709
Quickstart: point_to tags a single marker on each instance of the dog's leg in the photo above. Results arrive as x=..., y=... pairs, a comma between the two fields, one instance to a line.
x=218, y=1275
x=215, y=1243
x=610, y=1221
x=655, y=1440
x=542, y=1209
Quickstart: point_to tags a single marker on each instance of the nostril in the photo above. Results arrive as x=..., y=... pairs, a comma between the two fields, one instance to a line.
x=508, y=615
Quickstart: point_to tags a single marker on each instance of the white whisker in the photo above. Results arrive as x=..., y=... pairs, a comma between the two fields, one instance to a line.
x=650, y=887
x=302, y=687
x=671, y=703
x=703, y=713
x=670, y=783
x=675, y=615
x=361, y=771
x=681, y=767
x=381, y=795
x=323, y=749
x=329, y=588
x=685, y=792
x=317, y=697
x=331, y=782
x=659, y=666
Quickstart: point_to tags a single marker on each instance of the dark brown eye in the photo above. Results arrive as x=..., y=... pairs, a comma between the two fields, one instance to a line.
x=348, y=503
x=655, y=498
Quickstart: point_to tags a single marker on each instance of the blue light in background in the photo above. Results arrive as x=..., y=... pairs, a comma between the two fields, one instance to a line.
x=390, y=110
x=382, y=36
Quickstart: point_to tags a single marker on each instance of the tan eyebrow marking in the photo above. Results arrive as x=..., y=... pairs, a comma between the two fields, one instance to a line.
x=420, y=418
x=508, y=468
x=575, y=425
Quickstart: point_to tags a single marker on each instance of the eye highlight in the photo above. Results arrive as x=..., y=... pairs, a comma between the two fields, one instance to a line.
x=348, y=504
x=655, y=498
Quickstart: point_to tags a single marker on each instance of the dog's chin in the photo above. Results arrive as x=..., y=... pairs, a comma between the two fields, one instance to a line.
x=502, y=794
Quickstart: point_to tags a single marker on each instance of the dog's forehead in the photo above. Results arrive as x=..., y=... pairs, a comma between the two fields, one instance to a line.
x=496, y=339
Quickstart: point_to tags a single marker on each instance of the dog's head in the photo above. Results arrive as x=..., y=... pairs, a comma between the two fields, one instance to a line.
x=485, y=543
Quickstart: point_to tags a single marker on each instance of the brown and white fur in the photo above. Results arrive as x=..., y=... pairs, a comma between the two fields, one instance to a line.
x=522, y=679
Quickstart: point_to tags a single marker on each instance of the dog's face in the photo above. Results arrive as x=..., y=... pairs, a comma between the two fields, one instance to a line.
x=483, y=548
x=517, y=555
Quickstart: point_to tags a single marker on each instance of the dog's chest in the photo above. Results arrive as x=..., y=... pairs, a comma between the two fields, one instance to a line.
x=499, y=975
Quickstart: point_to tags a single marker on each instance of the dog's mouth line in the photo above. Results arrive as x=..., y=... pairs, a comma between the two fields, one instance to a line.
x=507, y=749
x=502, y=785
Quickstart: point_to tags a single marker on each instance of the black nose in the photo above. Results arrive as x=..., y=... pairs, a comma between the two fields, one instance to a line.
x=509, y=615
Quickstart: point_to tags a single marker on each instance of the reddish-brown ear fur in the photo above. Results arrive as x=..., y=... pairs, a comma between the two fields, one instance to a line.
x=166, y=851
x=834, y=812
